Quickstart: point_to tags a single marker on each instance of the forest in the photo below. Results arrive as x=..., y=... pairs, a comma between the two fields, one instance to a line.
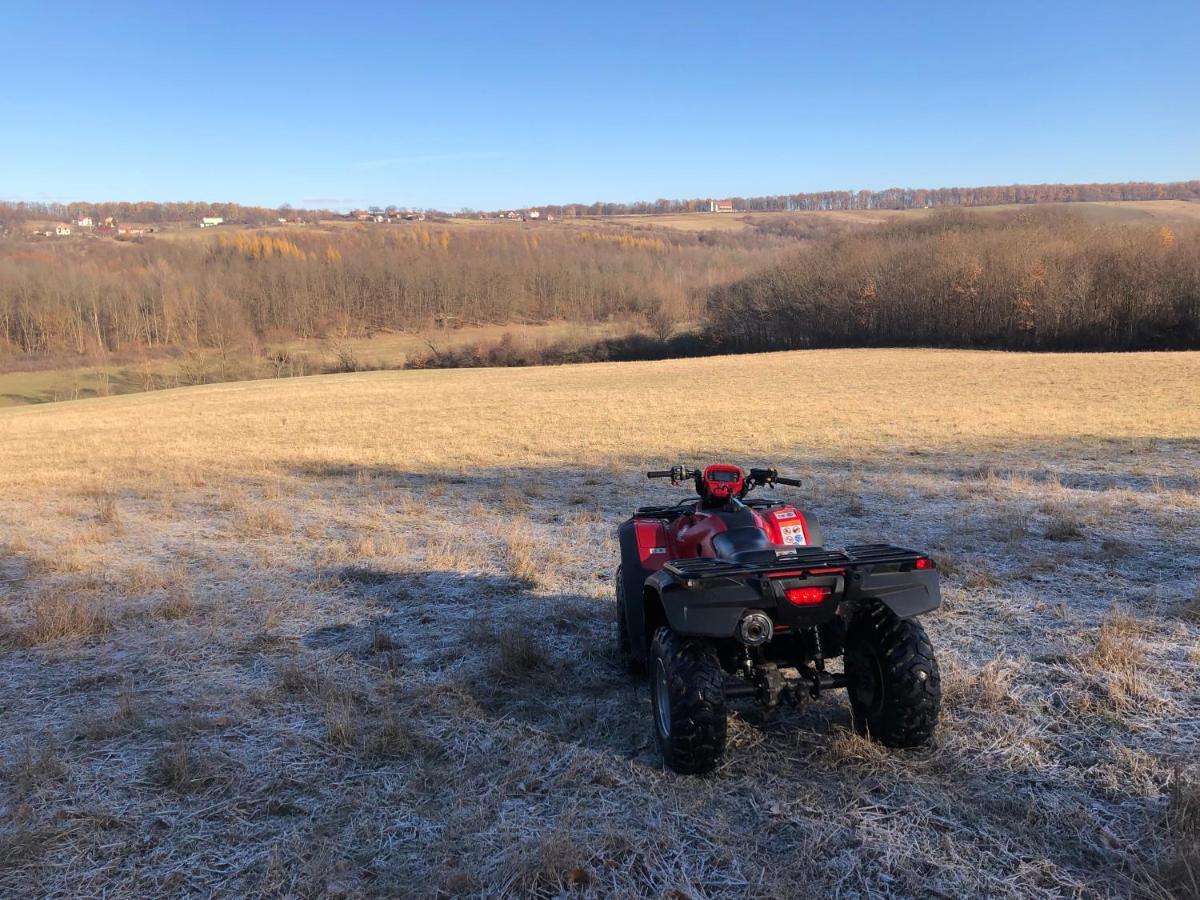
x=63, y=299
x=1037, y=279
x=1041, y=278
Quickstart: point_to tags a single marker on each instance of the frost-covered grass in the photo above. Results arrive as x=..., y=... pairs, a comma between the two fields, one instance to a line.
x=352, y=635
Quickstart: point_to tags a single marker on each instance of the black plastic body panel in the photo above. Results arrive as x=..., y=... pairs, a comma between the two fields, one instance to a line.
x=713, y=611
x=907, y=594
x=713, y=607
x=633, y=580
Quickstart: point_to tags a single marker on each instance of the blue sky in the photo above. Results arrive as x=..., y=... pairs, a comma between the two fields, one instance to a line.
x=498, y=104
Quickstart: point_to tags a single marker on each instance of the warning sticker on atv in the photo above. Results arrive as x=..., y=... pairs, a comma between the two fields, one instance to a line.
x=793, y=534
x=785, y=514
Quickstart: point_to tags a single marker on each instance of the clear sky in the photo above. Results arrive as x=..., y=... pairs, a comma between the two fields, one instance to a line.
x=501, y=104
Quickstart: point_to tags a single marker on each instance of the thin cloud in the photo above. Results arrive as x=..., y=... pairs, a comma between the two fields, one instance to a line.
x=427, y=158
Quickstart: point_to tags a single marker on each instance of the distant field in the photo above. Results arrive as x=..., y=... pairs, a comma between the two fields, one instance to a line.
x=382, y=351
x=1114, y=212
x=352, y=634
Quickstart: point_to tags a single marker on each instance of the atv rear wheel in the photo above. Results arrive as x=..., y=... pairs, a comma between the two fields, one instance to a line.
x=687, y=693
x=895, y=688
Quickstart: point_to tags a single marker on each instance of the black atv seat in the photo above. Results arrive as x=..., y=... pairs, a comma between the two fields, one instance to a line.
x=745, y=545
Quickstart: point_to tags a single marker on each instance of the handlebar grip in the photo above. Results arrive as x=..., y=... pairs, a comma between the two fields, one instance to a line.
x=793, y=482
x=659, y=474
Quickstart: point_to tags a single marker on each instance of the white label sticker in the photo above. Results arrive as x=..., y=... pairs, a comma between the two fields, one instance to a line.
x=785, y=514
x=793, y=534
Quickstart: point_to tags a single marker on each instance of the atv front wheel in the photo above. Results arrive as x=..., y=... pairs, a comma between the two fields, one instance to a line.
x=687, y=693
x=895, y=688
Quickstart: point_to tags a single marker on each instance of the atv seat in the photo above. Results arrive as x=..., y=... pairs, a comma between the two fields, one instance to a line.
x=744, y=545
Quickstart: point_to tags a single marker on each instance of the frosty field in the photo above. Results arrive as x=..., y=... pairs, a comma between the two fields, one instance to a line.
x=352, y=634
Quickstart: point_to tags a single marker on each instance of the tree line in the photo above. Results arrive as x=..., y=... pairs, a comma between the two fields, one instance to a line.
x=893, y=198
x=1039, y=279
x=239, y=289
x=900, y=198
x=153, y=212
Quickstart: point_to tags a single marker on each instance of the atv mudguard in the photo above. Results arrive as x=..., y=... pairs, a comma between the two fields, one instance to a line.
x=907, y=594
x=711, y=611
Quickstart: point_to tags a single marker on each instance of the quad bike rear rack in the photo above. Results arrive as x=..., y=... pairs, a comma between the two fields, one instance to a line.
x=800, y=560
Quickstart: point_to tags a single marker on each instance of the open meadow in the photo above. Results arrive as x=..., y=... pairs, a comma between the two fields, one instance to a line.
x=353, y=634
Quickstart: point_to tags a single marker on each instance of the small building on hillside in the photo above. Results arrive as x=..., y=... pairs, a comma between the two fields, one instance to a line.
x=535, y=214
x=62, y=229
x=211, y=221
x=84, y=221
x=720, y=206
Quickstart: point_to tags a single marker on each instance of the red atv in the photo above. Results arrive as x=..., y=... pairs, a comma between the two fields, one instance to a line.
x=724, y=597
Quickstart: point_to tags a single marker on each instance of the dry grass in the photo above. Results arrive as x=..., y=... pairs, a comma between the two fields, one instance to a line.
x=1064, y=526
x=513, y=650
x=178, y=604
x=1116, y=662
x=522, y=564
x=107, y=511
x=334, y=635
x=1181, y=874
x=261, y=520
x=57, y=614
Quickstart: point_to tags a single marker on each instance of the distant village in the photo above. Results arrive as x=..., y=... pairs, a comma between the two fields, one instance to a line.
x=84, y=225
x=108, y=227
x=391, y=214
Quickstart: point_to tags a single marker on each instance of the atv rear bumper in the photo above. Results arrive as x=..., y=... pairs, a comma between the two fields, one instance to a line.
x=708, y=597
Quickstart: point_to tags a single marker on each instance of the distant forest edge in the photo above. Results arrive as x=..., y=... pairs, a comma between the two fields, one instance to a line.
x=901, y=198
x=1041, y=278
x=893, y=198
x=1037, y=279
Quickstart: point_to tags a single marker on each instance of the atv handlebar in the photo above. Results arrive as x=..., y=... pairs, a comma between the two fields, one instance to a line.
x=770, y=477
x=754, y=477
x=675, y=473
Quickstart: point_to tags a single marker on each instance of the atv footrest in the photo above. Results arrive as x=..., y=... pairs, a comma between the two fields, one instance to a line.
x=802, y=559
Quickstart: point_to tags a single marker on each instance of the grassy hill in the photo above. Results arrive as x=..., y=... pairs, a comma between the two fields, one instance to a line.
x=352, y=633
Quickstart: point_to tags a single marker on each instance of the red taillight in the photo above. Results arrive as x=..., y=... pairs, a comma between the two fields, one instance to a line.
x=807, y=596
x=923, y=563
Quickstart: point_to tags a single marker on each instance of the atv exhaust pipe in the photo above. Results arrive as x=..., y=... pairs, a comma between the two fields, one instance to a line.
x=755, y=629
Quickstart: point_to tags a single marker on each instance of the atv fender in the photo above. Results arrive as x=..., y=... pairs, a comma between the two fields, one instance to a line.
x=907, y=594
x=712, y=612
